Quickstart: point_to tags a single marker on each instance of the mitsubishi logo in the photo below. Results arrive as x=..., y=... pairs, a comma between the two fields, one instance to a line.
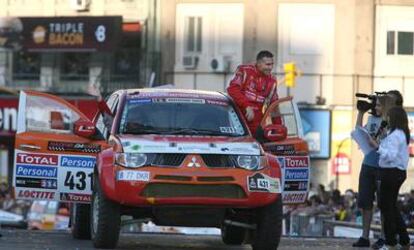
x=193, y=163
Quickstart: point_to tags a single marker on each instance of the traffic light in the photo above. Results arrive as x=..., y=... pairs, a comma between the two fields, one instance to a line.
x=290, y=74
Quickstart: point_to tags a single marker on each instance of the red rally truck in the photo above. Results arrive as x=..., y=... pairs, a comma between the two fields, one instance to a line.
x=175, y=157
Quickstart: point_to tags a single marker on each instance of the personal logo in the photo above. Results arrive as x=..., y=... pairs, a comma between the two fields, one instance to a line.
x=193, y=163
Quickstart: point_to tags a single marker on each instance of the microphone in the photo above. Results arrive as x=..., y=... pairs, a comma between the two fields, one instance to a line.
x=362, y=95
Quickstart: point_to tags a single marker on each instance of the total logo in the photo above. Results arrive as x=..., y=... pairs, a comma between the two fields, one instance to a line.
x=300, y=161
x=37, y=159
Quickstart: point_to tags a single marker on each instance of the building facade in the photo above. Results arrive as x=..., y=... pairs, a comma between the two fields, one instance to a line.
x=342, y=47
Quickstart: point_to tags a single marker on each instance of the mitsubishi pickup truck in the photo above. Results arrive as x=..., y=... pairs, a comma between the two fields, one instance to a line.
x=173, y=157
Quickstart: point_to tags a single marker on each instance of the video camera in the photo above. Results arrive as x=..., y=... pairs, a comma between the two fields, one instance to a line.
x=369, y=104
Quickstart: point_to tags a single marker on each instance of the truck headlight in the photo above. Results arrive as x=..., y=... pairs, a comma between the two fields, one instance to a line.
x=250, y=162
x=131, y=160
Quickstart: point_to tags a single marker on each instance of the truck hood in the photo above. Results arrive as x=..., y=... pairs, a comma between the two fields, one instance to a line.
x=189, y=145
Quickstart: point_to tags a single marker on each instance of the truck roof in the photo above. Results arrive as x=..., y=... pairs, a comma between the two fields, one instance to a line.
x=177, y=92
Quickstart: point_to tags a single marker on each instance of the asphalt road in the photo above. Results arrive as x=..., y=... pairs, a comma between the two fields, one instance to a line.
x=23, y=239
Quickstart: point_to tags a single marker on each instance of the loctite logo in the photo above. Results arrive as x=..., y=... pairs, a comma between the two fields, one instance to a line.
x=36, y=194
x=8, y=119
x=37, y=159
x=297, y=162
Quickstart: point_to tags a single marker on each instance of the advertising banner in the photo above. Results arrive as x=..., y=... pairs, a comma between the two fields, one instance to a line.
x=80, y=34
x=316, y=128
x=341, y=141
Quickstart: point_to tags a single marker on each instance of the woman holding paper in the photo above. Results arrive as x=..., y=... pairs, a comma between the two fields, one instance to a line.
x=368, y=176
x=393, y=161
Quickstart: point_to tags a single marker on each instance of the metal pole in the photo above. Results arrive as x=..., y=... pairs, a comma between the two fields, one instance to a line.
x=195, y=80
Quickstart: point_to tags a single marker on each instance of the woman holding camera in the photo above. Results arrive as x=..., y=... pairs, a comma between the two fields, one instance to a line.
x=393, y=161
x=369, y=174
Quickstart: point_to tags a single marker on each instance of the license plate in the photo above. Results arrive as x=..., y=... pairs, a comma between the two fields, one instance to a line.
x=133, y=175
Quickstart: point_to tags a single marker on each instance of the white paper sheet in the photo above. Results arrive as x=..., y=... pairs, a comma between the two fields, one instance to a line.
x=362, y=138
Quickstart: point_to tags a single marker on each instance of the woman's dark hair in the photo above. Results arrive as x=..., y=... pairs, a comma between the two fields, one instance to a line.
x=398, y=120
x=398, y=98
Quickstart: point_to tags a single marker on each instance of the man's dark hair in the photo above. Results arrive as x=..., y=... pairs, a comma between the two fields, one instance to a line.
x=262, y=54
x=398, y=97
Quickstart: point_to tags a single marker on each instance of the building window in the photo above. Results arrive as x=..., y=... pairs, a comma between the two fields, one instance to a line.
x=75, y=66
x=192, y=34
x=405, y=43
x=26, y=66
x=128, y=58
x=400, y=44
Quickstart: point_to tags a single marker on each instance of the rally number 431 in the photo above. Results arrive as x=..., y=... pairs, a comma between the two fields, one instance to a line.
x=78, y=180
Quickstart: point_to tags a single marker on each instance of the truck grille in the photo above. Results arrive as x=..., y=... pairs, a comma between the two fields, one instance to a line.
x=167, y=190
x=168, y=159
x=220, y=161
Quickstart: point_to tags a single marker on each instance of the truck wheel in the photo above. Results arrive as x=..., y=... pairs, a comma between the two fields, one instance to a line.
x=232, y=235
x=105, y=219
x=80, y=221
x=269, y=226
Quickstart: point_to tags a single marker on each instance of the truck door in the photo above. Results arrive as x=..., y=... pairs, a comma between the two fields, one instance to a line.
x=51, y=162
x=291, y=152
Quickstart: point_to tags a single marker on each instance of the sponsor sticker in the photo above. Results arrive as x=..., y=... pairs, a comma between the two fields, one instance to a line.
x=139, y=101
x=132, y=175
x=228, y=130
x=76, y=161
x=36, y=171
x=37, y=159
x=36, y=183
x=296, y=174
x=292, y=198
x=263, y=183
x=34, y=194
x=175, y=94
x=192, y=147
x=75, y=197
x=214, y=102
x=288, y=149
x=297, y=162
x=73, y=147
x=296, y=186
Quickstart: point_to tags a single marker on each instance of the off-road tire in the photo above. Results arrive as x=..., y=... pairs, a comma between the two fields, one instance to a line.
x=80, y=221
x=269, y=226
x=232, y=235
x=105, y=215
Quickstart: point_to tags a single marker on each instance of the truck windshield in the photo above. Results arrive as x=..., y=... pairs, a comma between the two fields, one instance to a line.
x=180, y=116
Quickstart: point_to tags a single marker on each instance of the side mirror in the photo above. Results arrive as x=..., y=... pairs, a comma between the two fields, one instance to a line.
x=275, y=132
x=84, y=128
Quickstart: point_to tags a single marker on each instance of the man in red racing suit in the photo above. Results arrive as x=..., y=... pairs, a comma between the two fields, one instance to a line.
x=251, y=85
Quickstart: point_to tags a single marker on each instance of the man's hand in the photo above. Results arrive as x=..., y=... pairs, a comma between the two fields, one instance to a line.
x=249, y=113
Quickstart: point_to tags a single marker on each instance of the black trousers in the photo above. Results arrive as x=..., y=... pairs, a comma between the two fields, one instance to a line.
x=391, y=181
